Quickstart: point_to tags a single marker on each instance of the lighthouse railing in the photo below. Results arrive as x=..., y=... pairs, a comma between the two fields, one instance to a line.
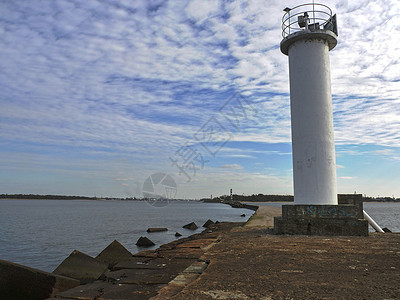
x=309, y=16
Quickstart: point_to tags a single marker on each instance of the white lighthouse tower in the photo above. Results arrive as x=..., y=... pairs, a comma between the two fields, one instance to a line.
x=309, y=33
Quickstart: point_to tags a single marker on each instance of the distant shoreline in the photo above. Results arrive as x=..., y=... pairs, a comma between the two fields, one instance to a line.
x=45, y=197
x=260, y=198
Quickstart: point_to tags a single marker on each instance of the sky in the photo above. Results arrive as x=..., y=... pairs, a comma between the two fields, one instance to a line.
x=103, y=98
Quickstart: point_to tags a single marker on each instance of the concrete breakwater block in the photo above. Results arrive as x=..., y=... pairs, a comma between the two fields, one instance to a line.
x=113, y=254
x=157, y=229
x=307, y=219
x=144, y=242
x=161, y=264
x=191, y=226
x=133, y=263
x=20, y=282
x=208, y=223
x=110, y=291
x=144, y=274
x=81, y=266
x=139, y=276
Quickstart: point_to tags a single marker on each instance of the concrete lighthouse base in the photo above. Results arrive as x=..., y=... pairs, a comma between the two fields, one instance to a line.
x=308, y=219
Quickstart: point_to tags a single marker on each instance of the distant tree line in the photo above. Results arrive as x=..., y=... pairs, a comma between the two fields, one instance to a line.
x=381, y=199
x=46, y=197
x=282, y=198
x=252, y=198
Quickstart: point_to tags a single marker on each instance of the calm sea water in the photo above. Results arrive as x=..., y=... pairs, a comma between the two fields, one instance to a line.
x=385, y=214
x=42, y=233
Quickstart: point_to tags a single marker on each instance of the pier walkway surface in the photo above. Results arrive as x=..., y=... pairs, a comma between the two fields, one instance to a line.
x=246, y=261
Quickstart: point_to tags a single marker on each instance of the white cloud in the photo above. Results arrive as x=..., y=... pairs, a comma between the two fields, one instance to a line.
x=200, y=10
x=233, y=166
x=385, y=152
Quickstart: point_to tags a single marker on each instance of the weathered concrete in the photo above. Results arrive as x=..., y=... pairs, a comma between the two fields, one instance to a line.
x=351, y=199
x=132, y=263
x=197, y=267
x=21, y=282
x=249, y=264
x=321, y=212
x=237, y=204
x=144, y=242
x=264, y=216
x=139, y=276
x=208, y=223
x=189, y=275
x=198, y=243
x=108, y=290
x=146, y=273
x=157, y=229
x=146, y=254
x=81, y=266
x=191, y=226
x=321, y=226
x=306, y=219
x=158, y=263
x=113, y=254
x=183, y=253
x=236, y=262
